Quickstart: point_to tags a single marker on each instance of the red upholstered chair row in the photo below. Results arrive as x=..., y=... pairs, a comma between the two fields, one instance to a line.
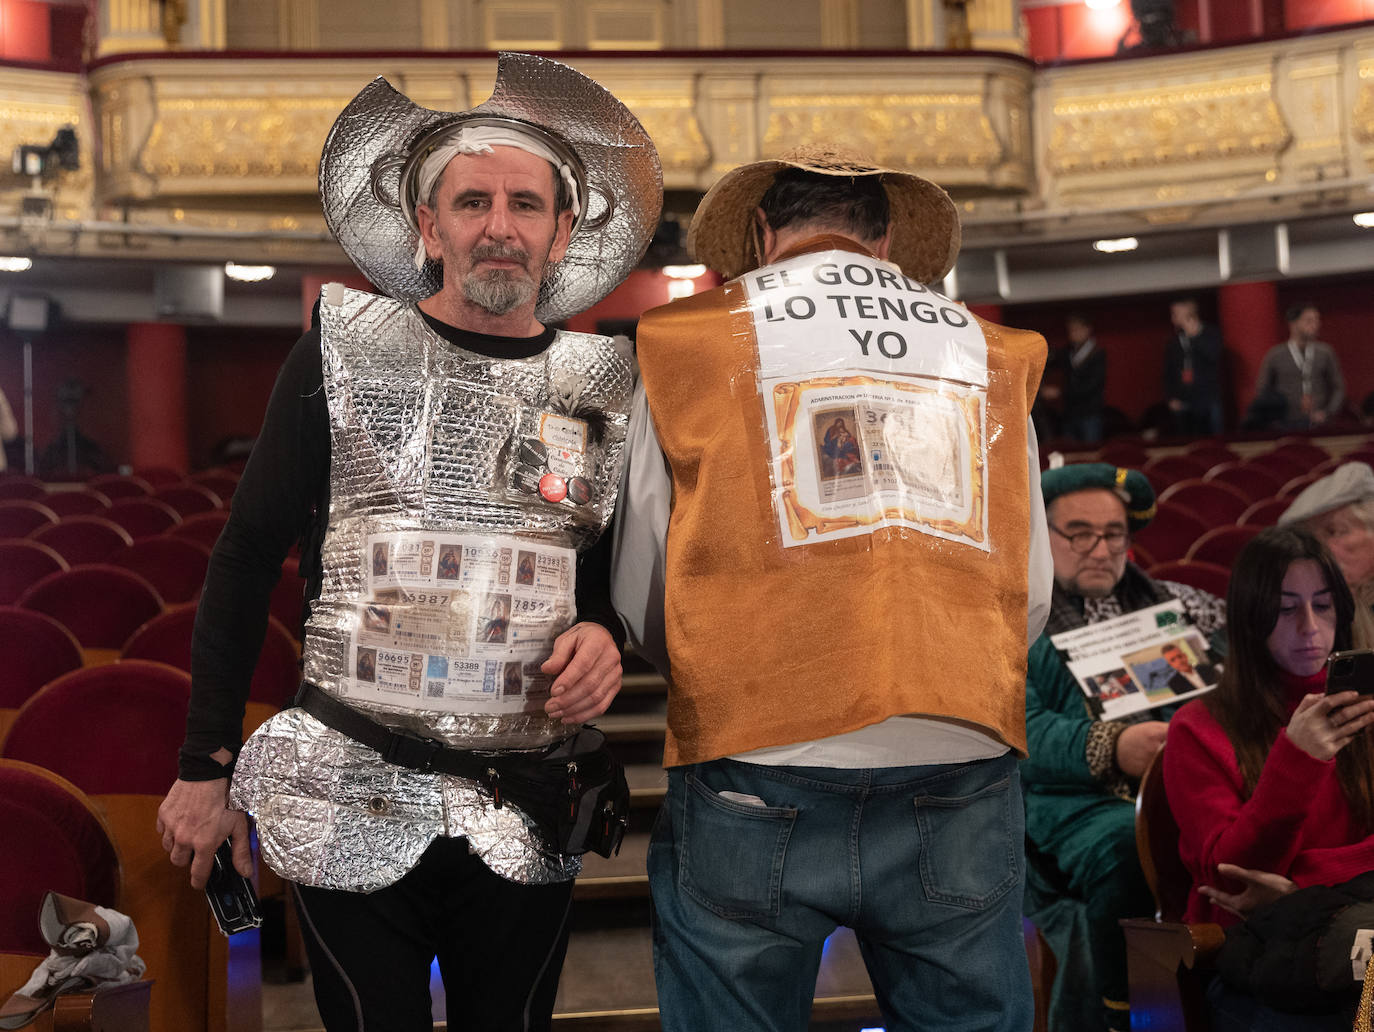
x=174, y=566
x=114, y=728
x=189, y=499
x=23, y=564
x=158, y=476
x=1253, y=481
x=20, y=517
x=37, y=649
x=83, y=539
x=221, y=481
x=82, y=501
x=166, y=638
x=119, y=485
x=114, y=731
x=101, y=605
x=14, y=485
x=1221, y=545
x=1164, y=470
x=67, y=848
x=1265, y=513
x=203, y=527
x=1171, y=532
x=1215, y=502
x=1213, y=453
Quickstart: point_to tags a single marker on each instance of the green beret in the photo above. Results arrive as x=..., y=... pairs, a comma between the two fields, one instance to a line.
x=1128, y=484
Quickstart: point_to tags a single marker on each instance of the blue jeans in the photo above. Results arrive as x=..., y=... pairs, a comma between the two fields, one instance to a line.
x=924, y=863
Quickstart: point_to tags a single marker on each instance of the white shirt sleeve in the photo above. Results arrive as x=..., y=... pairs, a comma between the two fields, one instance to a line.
x=1041, y=567
x=641, y=536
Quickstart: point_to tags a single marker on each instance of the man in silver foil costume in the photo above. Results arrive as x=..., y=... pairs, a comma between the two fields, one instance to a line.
x=449, y=462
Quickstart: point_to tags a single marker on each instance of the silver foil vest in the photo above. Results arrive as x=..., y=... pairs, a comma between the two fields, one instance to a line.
x=446, y=465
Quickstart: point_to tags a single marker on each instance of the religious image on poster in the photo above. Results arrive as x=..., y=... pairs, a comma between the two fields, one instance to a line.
x=459, y=622
x=875, y=401
x=1152, y=657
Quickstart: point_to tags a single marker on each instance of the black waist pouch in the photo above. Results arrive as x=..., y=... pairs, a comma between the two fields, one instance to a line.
x=574, y=791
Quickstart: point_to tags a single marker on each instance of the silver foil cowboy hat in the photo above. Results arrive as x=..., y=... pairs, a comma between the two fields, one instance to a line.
x=379, y=140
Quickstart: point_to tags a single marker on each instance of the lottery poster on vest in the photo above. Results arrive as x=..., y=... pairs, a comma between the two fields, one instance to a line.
x=874, y=391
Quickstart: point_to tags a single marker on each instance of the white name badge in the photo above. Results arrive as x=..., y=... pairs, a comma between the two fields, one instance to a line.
x=875, y=401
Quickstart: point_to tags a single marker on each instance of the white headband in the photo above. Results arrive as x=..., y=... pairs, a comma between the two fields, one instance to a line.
x=480, y=139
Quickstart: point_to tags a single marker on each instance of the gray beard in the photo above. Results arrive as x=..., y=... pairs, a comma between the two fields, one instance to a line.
x=497, y=292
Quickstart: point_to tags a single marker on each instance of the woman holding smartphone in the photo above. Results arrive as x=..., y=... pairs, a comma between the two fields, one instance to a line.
x=1268, y=772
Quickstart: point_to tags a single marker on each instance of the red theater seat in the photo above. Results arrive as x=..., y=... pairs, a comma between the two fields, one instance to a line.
x=1252, y=481
x=159, y=476
x=82, y=501
x=1265, y=513
x=116, y=485
x=66, y=848
x=108, y=729
x=1223, y=544
x=1171, y=532
x=83, y=539
x=1281, y=466
x=1170, y=469
x=114, y=731
x=189, y=499
x=1123, y=453
x=173, y=566
x=1207, y=576
x=1292, y=488
x=1213, y=453
x=143, y=517
x=16, y=485
x=22, y=565
x=166, y=638
x=1301, y=448
x=203, y=527
x=36, y=649
x=101, y=605
x=1217, y=504
x=1364, y=454
x=221, y=481
x=20, y=517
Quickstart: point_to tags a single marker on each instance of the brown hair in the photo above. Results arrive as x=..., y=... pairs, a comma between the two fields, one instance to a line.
x=1249, y=701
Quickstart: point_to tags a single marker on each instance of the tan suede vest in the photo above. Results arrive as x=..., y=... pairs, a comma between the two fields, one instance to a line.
x=771, y=645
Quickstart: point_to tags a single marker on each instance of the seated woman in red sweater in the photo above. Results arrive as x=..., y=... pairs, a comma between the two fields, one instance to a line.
x=1267, y=772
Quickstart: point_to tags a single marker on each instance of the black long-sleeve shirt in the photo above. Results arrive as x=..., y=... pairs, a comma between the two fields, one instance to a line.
x=282, y=498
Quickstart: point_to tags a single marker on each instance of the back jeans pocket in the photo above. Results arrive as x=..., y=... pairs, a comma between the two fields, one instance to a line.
x=732, y=853
x=968, y=852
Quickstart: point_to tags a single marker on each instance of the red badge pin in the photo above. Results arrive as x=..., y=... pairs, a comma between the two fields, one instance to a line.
x=553, y=487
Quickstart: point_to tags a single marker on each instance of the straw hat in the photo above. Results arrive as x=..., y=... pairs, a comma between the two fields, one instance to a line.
x=379, y=140
x=925, y=235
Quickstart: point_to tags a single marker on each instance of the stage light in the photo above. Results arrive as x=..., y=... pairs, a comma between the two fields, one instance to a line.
x=1364, y=219
x=684, y=271
x=16, y=264
x=680, y=288
x=1102, y=5
x=249, y=273
x=1116, y=246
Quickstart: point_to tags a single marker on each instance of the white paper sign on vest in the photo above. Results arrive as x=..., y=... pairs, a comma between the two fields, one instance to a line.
x=874, y=391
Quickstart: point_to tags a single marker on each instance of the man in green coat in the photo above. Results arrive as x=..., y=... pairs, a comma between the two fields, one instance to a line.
x=1082, y=773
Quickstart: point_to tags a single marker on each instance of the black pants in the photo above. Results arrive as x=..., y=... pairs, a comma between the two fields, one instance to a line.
x=500, y=947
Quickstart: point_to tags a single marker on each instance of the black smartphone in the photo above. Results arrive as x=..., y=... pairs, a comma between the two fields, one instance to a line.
x=231, y=895
x=1351, y=671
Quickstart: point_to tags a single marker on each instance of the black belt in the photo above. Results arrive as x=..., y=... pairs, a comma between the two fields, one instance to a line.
x=573, y=790
x=414, y=752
